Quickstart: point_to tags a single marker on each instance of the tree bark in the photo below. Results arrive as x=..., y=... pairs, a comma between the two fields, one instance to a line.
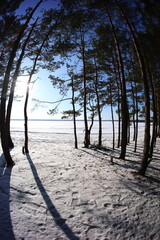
x=26, y=121
x=26, y=150
x=4, y=138
x=123, y=92
x=11, y=96
x=74, y=116
x=90, y=128
x=118, y=83
x=134, y=111
x=128, y=133
x=137, y=120
x=112, y=116
x=86, y=138
x=144, y=160
x=158, y=113
x=98, y=107
x=119, y=111
x=153, y=139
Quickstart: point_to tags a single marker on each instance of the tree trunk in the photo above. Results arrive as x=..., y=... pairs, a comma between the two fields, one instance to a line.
x=134, y=111
x=87, y=137
x=144, y=161
x=112, y=116
x=136, y=132
x=74, y=116
x=119, y=115
x=11, y=96
x=113, y=127
x=26, y=121
x=90, y=128
x=4, y=138
x=123, y=92
x=128, y=133
x=27, y=93
x=119, y=126
x=158, y=114
x=118, y=77
x=98, y=108
x=153, y=139
x=134, y=127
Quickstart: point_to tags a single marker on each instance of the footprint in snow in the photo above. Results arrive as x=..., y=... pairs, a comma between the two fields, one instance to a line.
x=75, y=198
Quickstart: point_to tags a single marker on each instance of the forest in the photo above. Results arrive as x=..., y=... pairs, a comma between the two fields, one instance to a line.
x=114, y=43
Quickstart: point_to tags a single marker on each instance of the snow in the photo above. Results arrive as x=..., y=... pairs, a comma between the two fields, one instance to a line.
x=57, y=192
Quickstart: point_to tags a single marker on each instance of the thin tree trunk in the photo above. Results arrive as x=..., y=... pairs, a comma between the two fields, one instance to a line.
x=26, y=150
x=134, y=111
x=74, y=116
x=144, y=160
x=98, y=108
x=86, y=138
x=113, y=127
x=4, y=138
x=119, y=116
x=11, y=96
x=135, y=104
x=26, y=121
x=90, y=128
x=156, y=128
x=134, y=127
x=112, y=116
x=153, y=139
x=158, y=114
x=128, y=133
x=136, y=132
x=118, y=95
x=123, y=91
x=119, y=126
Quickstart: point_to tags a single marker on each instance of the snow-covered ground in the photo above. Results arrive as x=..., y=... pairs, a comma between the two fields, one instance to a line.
x=57, y=192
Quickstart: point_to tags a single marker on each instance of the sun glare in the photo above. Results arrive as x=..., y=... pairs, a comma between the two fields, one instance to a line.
x=21, y=85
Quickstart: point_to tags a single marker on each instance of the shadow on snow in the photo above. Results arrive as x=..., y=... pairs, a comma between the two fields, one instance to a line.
x=6, y=228
x=104, y=153
x=52, y=209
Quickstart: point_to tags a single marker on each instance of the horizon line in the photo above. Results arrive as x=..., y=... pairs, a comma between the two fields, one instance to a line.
x=48, y=119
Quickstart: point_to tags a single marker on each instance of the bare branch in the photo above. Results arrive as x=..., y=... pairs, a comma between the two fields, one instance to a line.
x=61, y=100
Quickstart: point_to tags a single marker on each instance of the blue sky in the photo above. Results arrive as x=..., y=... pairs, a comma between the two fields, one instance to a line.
x=42, y=89
x=31, y=3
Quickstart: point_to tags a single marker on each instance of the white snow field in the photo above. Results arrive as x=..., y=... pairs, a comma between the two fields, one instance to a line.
x=57, y=192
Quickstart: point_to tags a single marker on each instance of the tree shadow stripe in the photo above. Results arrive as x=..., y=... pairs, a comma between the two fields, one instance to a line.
x=6, y=227
x=51, y=207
